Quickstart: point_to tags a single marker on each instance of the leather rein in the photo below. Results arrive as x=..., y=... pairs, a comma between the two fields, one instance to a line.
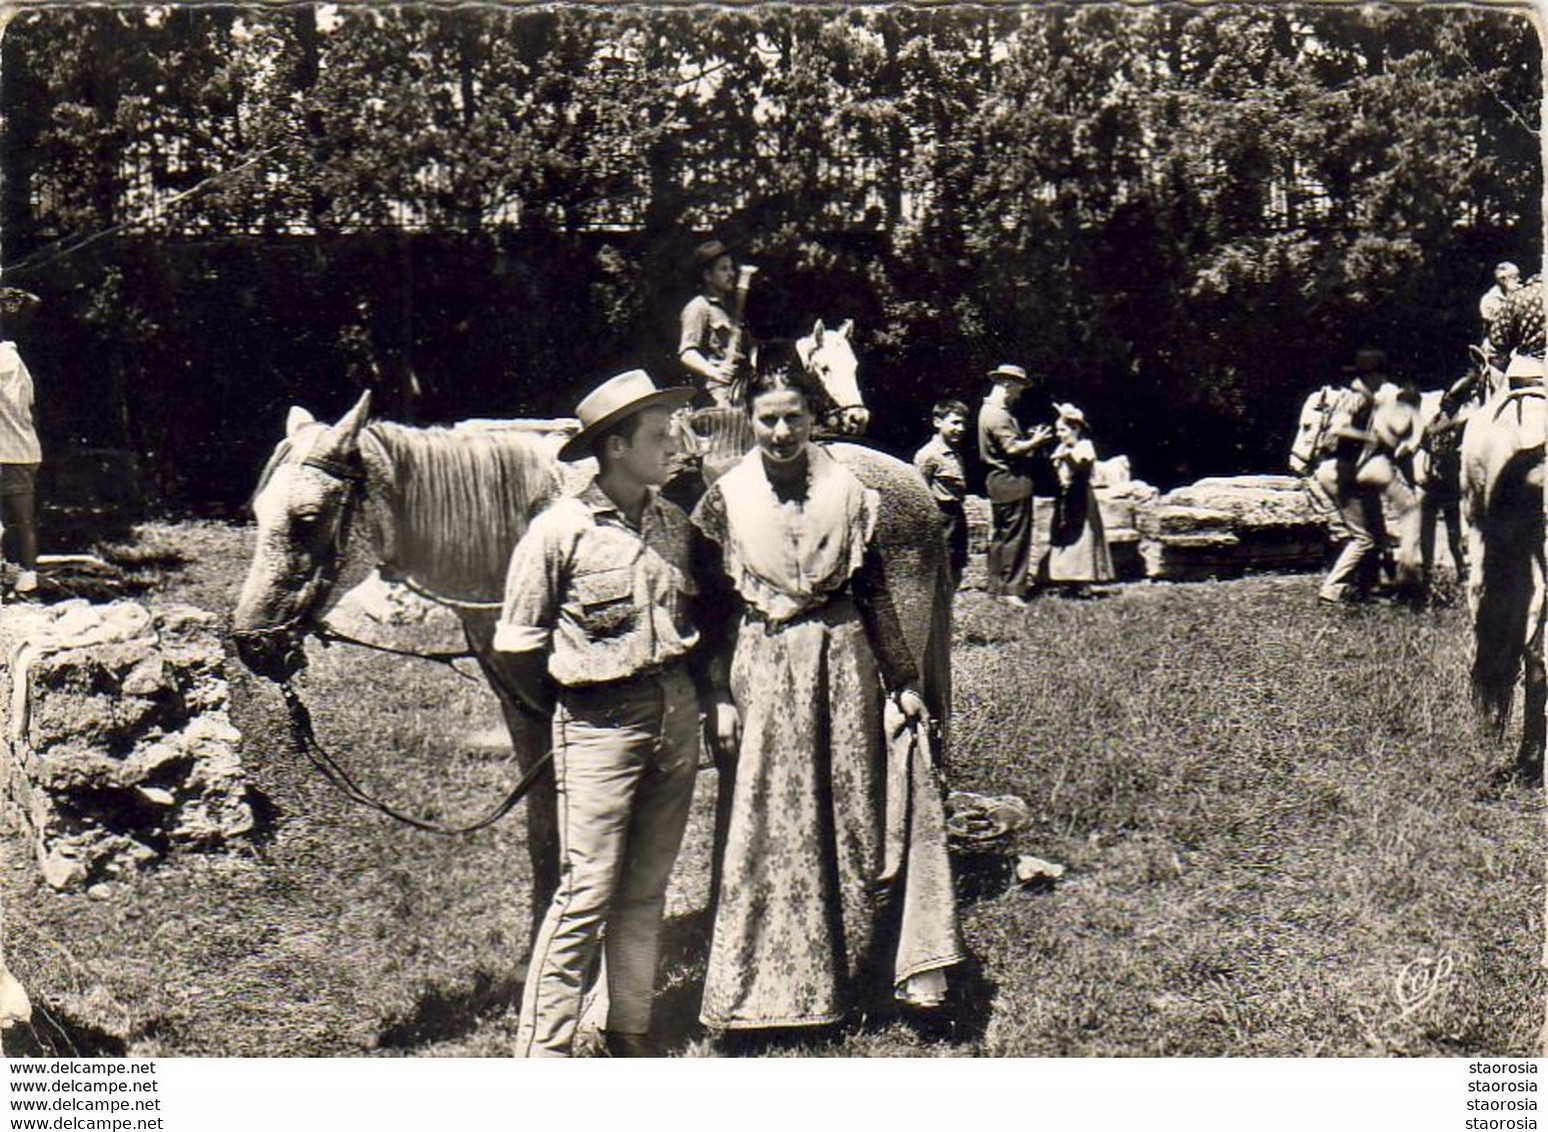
x=302, y=732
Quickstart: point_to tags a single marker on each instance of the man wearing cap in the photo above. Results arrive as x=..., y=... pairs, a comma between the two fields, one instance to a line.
x=1349, y=447
x=1021, y=485
x=704, y=346
x=596, y=627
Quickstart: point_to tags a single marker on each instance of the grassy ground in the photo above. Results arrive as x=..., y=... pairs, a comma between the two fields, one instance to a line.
x=1283, y=837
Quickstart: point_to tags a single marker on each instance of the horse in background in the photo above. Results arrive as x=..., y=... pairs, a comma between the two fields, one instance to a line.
x=440, y=509
x=719, y=437
x=1502, y=508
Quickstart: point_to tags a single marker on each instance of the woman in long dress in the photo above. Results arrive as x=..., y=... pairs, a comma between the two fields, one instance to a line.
x=1079, y=554
x=809, y=928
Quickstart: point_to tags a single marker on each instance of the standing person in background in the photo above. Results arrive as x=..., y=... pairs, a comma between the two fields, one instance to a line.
x=20, y=453
x=1353, y=462
x=704, y=344
x=940, y=463
x=1021, y=487
x=1079, y=554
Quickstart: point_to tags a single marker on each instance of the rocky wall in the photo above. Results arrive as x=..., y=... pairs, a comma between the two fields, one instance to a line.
x=115, y=743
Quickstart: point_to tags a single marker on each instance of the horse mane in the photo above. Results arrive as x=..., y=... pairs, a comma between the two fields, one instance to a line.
x=457, y=500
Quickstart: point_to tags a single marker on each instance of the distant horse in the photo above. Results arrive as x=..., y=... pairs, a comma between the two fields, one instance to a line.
x=443, y=508
x=1502, y=508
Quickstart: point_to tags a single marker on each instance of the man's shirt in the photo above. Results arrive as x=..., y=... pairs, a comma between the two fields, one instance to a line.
x=18, y=436
x=706, y=328
x=1492, y=303
x=606, y=601
x=941, y=467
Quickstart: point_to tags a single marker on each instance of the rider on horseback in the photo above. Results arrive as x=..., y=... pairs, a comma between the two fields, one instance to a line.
x=709, y=329
x=1516, y=335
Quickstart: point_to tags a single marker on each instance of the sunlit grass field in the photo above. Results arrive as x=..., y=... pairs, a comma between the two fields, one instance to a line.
x=1283, y=837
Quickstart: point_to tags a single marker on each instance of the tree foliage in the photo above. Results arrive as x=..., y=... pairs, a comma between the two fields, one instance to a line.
x=1184, y=215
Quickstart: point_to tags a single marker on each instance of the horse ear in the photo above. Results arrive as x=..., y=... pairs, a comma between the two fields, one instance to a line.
x=297, y=419
x=846, y=328
x=818, y=330
x=343, y=435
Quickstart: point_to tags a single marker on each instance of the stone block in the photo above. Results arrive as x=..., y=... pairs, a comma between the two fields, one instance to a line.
x=116, y=743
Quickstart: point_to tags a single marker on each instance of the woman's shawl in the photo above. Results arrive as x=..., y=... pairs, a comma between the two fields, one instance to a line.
x=785, y=558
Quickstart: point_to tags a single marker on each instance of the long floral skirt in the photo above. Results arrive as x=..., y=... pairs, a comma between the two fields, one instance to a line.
x=800, y=902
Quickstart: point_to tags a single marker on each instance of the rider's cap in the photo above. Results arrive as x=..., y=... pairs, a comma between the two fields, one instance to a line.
x=707, y=253
x=612, y=401
x=1506, y=270
x=1006, y=371
x=1368, y=360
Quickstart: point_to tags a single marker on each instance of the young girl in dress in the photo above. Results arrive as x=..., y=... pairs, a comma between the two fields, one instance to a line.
x=1079, y=554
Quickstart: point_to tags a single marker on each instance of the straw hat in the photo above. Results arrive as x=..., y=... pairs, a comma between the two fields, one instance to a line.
x=1006, y=371
x=616, y=398
x=1071, y=413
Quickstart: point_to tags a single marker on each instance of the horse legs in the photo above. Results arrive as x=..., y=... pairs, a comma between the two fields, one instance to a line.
x=1534, y=731
x=530, y=735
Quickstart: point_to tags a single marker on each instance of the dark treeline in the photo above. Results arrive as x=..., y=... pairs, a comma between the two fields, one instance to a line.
x=1184, y=216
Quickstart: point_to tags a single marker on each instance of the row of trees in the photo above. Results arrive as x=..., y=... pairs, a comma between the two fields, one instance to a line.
x=1185, y=216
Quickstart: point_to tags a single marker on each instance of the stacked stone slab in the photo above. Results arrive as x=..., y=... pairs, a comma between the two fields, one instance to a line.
x=116, y=741
x=1219, y=527
x=1222, y=526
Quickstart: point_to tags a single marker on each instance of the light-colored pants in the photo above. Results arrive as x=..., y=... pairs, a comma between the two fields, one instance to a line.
x=625, y=756
x=1359, y=514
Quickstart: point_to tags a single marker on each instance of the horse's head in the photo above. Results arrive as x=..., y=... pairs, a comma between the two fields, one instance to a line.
x=303, y=505
x=830, y=358
x=1316, y=413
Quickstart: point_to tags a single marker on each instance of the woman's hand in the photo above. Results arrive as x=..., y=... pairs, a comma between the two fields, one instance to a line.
x=726, y=726
x=912, y=705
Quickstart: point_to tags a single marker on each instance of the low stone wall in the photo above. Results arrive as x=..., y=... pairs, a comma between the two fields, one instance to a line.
x=1221, y=526
x=116, y=745
x=1228, y=525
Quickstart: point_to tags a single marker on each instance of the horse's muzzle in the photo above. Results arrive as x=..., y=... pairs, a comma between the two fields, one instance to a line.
x=275, y=654
x=854, y=420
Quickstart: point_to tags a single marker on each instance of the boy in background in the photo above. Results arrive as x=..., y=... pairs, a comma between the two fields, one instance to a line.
x=940, y=463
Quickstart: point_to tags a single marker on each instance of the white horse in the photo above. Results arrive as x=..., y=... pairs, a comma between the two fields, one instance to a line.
x=1502, y=508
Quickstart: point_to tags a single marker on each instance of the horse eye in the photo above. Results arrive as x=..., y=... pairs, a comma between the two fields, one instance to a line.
x=306, y=518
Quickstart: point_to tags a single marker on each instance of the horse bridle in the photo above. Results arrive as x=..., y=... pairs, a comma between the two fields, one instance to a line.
x=820, y=371
x=325, y=574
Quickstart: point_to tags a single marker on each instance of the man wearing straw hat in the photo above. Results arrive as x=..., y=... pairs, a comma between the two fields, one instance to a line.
x=595, y=626
x=1021, y=487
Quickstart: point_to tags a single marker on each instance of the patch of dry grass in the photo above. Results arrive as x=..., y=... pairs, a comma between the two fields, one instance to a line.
x=1269, y=812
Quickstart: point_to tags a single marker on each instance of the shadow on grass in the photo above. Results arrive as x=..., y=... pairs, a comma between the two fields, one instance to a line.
x=442, y=1015
x=53, y=1033
x=685, y=943
x=962, y=1020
